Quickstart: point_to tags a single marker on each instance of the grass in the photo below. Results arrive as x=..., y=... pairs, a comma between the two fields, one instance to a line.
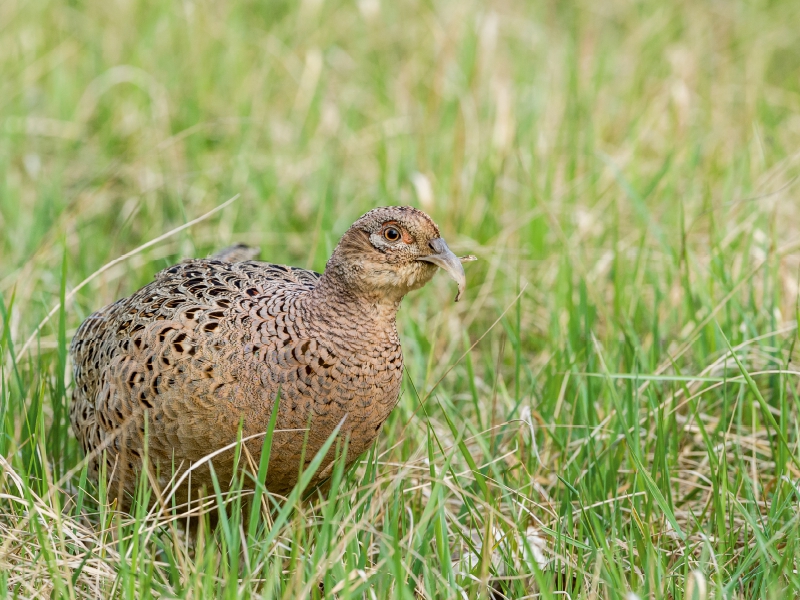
x=612, y=411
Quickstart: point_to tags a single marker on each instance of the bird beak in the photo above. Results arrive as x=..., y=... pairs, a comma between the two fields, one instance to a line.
x=443, y=257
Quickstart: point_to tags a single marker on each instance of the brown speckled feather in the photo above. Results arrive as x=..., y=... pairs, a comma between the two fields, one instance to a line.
x=209, y=344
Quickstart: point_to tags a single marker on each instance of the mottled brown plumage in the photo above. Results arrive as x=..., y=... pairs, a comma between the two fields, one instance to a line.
x=210, y=342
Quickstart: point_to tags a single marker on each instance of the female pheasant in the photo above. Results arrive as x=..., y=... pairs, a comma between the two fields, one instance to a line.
x=211, y=343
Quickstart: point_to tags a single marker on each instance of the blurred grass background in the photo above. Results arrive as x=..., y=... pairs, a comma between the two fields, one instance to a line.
x=627, y=173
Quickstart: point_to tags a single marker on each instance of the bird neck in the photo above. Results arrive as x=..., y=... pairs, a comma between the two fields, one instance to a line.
x=336, y=297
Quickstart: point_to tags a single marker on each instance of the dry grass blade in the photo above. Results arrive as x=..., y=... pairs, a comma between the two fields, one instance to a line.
x=118, y=260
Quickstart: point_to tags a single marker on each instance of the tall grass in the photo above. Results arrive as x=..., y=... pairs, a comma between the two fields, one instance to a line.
x=610, y=413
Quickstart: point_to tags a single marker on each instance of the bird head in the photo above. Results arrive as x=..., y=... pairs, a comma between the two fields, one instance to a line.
x=391, y=251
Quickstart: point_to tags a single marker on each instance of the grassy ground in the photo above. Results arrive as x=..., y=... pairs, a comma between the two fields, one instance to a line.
x=611, y=412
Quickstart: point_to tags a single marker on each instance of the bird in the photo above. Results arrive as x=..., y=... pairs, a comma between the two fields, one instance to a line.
x=180, y=368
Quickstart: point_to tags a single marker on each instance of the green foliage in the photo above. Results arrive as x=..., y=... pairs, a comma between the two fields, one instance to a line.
x=612, y=409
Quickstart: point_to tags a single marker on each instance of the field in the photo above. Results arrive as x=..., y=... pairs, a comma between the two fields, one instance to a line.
x=612, y=410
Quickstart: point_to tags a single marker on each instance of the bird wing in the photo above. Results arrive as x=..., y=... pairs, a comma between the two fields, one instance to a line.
x=171, y=349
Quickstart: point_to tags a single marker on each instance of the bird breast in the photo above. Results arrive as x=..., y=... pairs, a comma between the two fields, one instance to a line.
x=328, y=363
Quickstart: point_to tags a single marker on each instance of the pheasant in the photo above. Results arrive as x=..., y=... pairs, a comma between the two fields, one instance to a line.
x=207, y=348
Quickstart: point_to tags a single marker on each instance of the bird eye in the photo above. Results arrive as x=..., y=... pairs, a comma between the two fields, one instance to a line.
x=391, y=234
